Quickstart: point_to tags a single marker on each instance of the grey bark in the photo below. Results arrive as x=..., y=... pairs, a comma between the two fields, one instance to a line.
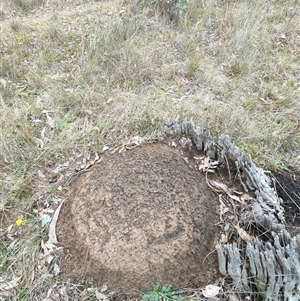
x=270, y=267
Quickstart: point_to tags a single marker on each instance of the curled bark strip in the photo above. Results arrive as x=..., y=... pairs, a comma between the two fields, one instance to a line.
x=52, y=228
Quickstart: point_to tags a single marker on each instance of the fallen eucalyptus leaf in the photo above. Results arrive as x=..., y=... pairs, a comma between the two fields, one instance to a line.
x=10, y=284
x=56, y=269
x=232, y=297
x=100, y=296
x=243, y=234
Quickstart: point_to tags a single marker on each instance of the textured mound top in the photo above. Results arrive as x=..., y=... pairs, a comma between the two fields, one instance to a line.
x=138, y=217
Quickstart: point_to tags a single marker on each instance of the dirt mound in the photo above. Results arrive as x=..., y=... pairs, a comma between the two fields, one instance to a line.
x=138, y=217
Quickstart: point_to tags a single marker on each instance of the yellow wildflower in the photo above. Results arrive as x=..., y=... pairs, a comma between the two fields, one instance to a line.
x=19, y=222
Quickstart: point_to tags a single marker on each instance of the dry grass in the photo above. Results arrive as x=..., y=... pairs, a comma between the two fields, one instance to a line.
x=75, y=77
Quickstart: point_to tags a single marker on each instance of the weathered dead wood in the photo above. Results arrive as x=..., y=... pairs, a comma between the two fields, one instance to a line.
x=273, y=266
x=269, y=266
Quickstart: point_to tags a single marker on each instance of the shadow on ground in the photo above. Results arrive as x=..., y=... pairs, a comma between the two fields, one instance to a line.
x=288, y=189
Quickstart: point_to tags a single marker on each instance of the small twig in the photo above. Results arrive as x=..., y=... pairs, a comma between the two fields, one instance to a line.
x=228, y=168
x=208, y=255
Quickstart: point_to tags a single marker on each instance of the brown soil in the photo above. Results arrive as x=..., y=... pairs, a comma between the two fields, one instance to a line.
x=138, y=217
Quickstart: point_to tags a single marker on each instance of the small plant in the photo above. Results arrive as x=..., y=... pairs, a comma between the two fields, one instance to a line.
x=180, y=5
x=23, y=294
x=161, y=292
x=63, y=122
x=26, y=5
x=169, y=7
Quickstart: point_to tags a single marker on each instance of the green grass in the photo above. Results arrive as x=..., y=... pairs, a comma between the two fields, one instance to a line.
x=76, y=76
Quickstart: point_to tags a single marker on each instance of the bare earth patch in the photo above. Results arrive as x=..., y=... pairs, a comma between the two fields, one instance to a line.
x=138, y=217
